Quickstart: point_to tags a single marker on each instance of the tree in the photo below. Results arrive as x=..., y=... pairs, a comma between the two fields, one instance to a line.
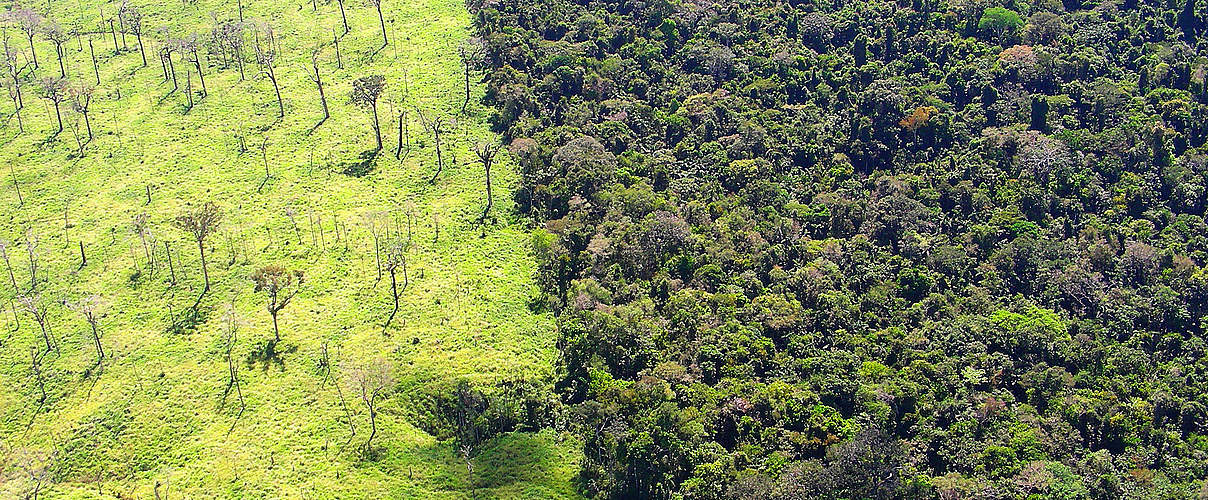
x=58, y=37
x=134, y=22
x=88, y=307
x=365, y=93
x=343, y=17
x=13, y=70
x=471, y=53
x=396, y=258
x=55, y=91
x=378, y=5
x=200, y=223
x=36, y=307
x=191, y=45
x=316, y=77
x=266, y=56
x=437, y=127
x=81, y=99
x=999, y=21
x=28, y=22
x=280, y=286
x=486, y=152
x=374, y=380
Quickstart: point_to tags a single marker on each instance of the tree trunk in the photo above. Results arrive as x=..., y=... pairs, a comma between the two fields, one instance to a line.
x=59, y=116
x=32, y=51
x=277, y=89
x=276, y=332
x=382, y=20
x=344, y=17
x=141, y=50
x=377, y=130
x=197, y=62
x=95, y=68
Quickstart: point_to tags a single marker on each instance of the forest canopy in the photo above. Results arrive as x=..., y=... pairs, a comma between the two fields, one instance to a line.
x=868, y=249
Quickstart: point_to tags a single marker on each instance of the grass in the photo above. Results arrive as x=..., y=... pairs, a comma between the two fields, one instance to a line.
x=153, y=413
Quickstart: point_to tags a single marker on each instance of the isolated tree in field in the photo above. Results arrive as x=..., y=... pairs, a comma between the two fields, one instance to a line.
x=58, y=37
x=365, y=93
x=471, y=53
x=28, y=22
x=280, y=286
x=200, y=223
x=89, y=307
x=486, y=152
x=55, y=91
x=316, y=77
x=12, y=70
x=81, y=99
x=232, y=332
x=437, y=127
x=36, y=307
x=378, y=5
x=134, y=22
x=266, y=57
x=374, y=380
x=396, y=259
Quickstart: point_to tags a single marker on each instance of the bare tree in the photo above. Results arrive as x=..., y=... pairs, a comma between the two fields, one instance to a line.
x=343, y=17
x=13, y=70
x=81, y=99
x=191, y=45
x=374, y=380
x=55, y=91
x=365, y=93
x=58, y=37
x=8, y=264
x=134, y=22
x=28, y=22
x=201, y=222
x=36, y=307
x=266, y=56
x=378, y=5
x=36, y=467
x=316, y=77
x=232, y=336
x=88, y=307
x=96, y=68
x=486, y=152
x=396, y=259
x=281, y=286
x=35, y=365
x=437, y=127
x=471, y=53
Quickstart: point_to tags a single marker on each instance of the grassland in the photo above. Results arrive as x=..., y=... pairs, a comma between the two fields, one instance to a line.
x=154, y=412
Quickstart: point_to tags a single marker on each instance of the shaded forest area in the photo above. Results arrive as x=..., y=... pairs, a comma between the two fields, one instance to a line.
x=867, y=249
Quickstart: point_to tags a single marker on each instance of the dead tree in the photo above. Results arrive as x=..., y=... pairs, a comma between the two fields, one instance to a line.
x=35, y=364
x=437, y=127
x=374, y=380
x=470, y=53
x=266, y=56
x=88, y=307
x=201, y=223
x=317, y=78
x=232, y=333
x=280, y=286
x=343, y=17
x=55, y=91
x=13, y=70
x=96, y=68
x=396, y=259
x=58, y=37
x=9, y=265
x=133, y=20
x=81, y=99
x=486, y=152
x=365, y=93
x=231, y=33
x=31, y=251
x=191, y=45
x=142, y=229
x=34, y=305
x=378, y=5
x=28, y=22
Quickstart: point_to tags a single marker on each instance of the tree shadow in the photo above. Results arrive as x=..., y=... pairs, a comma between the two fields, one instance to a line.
x=269, y=354
x=188, y=321
x=363, y=165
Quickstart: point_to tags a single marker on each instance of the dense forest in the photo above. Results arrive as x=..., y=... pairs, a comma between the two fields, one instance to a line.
x=865, y=249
